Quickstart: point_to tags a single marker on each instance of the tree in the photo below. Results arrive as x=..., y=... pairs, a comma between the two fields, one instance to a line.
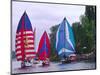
x=53, y=42
x=90, y=33
x=85, y=31
x=79, y=35
x=91, y=12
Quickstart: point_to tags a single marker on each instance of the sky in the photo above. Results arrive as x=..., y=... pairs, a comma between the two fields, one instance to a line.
x=43, y=16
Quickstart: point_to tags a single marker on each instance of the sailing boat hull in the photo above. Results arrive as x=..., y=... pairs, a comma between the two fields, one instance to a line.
x=69, y=59
x=65, y=61
x=45, y=64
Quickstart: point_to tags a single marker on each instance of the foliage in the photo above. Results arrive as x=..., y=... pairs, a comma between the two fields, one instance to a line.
x=91, y=12
x=84, y=35
x=85, y=31
x=53, y=42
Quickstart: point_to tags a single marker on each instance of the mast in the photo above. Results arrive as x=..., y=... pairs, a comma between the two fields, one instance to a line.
x=64, y=35
x=23, y=48
x=44, y=45
x=26, y=39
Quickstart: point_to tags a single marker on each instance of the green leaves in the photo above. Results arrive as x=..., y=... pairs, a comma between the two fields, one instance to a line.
x=54, y=56
x=85, y=32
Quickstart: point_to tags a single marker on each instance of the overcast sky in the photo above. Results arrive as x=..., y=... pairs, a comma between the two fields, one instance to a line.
x=43, y=16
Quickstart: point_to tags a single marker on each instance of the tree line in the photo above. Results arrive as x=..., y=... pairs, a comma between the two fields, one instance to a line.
x=84, y=33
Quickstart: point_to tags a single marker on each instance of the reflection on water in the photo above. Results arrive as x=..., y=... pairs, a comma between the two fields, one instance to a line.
x=54, y=66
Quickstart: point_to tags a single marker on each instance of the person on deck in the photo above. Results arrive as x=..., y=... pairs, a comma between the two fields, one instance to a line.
x=43, y=63
x=64, y=56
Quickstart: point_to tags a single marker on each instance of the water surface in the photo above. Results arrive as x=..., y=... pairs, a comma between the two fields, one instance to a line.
x=54, y=66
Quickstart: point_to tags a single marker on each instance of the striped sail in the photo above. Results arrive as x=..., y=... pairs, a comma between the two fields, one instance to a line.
x=25, y=39
x=65, y=42
x=44, y=47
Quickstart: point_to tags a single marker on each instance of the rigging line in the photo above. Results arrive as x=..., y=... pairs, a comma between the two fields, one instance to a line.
x=64, y=36
x=23, y=37
x=45, y=43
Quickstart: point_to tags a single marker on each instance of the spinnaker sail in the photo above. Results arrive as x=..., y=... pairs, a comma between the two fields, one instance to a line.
x=65, y=43
x=25, y=37
x=44, y=47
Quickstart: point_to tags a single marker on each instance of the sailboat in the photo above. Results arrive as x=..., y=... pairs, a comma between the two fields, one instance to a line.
x=24, y=44
x=44, y=49
x=65, y=43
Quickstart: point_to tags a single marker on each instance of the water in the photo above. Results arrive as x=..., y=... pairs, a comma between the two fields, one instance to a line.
x=54, y=66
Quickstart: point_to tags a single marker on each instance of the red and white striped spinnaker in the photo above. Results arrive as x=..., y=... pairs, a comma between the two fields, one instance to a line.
x=25, y=39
